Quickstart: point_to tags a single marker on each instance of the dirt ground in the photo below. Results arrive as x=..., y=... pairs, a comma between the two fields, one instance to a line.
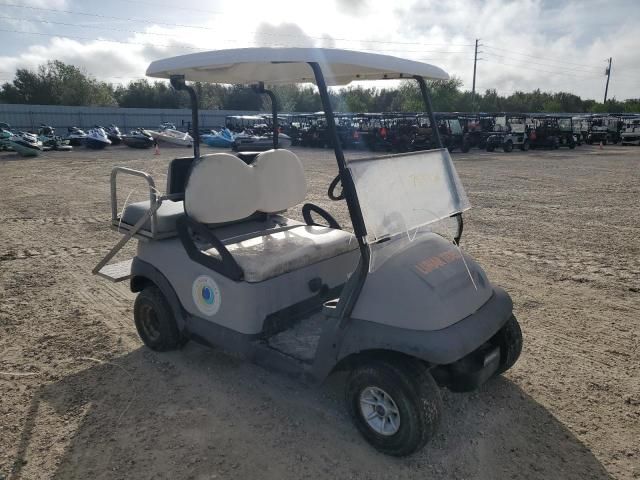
x=82, y=398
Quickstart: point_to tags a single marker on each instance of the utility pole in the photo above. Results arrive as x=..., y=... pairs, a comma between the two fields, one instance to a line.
x=473, y=88
x=608, y=74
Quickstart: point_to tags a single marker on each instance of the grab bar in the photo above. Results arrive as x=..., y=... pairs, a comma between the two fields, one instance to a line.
x=153, y=194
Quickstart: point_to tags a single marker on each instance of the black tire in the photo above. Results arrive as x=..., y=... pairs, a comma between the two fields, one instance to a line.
x=155, y=322
x=508, y=146
x=414, y=392
x=465, y=147
x=509, y=339
x=490, y=148
x=525, y=145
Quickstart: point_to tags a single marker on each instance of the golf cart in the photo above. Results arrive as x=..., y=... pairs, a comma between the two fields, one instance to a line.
x=450, y=130
x=399, y=307
x=580, y=128
x=510, y=130
x=631, y=132
x=476, y=128
x=566, y=135
x=598, y=129
x=545, y=132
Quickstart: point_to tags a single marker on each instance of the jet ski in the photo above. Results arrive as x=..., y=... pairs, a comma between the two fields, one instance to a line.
x=223, y=139
x=113, y=134
x=5, y=135
x=247, y=141
x=76, y=136
x=169, y=134
x=97, y=139
x=138, y=138
x=50, y=141
x=26, y=144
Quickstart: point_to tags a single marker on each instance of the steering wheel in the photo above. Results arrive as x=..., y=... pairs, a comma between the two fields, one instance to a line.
x=308, y=208
x=332, y=188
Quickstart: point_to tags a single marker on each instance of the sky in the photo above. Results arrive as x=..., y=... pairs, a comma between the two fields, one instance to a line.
x=560, y=45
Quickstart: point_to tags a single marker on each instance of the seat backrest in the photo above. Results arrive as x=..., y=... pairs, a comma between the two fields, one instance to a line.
x=223, y=188
x=177, y=175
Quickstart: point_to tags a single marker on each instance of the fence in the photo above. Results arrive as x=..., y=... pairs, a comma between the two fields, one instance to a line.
x=30, y=117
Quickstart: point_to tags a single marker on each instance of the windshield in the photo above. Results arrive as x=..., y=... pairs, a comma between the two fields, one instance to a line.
x=455, y=127
x=565, y=124
x=517, y=124
x=401, y=193
x=405, y=197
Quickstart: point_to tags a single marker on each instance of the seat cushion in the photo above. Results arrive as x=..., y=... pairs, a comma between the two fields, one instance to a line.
x=166, y=215
x=266, y=256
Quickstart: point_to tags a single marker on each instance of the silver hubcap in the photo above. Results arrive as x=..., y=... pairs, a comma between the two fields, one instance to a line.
x=379, y=411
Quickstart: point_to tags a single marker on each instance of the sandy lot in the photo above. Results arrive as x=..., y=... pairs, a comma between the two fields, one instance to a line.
x=82, y=398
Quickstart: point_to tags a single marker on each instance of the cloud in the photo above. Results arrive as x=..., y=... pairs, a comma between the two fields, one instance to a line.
x=284, y=34
x=531, y=44
x=352, y=7
x=44, y=3
x=525, y=45
x=289, y=35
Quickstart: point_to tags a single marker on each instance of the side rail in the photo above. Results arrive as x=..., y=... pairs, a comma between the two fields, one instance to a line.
x=153, y=194
x=155, y=202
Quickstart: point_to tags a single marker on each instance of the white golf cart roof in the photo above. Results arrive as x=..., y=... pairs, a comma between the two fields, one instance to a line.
x=289, y=65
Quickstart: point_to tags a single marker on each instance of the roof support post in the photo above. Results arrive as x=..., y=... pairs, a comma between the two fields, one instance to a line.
x=274, y=114
x=259, y=89
x=426, y=98
x=352, y=290
x=178, y=82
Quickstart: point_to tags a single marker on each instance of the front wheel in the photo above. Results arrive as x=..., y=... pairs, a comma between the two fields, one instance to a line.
x=155, y=322
x=509, y=339
x=395, y=405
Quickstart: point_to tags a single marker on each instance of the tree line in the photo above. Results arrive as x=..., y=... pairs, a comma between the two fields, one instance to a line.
x=57, y=83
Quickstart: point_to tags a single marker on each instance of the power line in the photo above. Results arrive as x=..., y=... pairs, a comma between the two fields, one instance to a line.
x=182, y=46
x=541, y=58
x=571, y=69
x=201, y=27
x=552, y=72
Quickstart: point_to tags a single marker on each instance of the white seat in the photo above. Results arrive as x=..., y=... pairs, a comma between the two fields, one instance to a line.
x=267, y=256
x=222, y=187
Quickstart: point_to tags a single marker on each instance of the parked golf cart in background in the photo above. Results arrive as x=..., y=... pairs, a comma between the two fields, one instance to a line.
x=615, y=125
x=580, y=128
x=348, y=131
x=545, y=132
x=450, y=130
x=510, y=130
x=298, y=123
x=598, y=129
x=566, y=131
x=255, y=124
x=399, y=307
x=476, y=128
x=631, y=131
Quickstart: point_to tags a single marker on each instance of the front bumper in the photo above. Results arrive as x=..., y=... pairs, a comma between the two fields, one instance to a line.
x=471, y=371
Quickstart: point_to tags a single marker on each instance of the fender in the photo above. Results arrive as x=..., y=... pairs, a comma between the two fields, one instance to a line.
x=436, y=347
x=143, y=273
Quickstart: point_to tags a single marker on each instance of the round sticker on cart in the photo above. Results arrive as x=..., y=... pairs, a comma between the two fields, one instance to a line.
x=206, y=295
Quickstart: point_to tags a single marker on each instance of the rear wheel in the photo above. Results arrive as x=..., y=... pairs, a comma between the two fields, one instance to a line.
x=490, y=148
x=155, y=322
x=465, y=147
x=509, y=339
x=508, y=146
x=525, y=145
x=395, y=405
